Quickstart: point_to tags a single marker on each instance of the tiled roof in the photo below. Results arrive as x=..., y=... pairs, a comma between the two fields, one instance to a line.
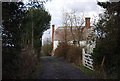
x=64, y=33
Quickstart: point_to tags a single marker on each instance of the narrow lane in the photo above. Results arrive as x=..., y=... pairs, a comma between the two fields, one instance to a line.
x=54, y=68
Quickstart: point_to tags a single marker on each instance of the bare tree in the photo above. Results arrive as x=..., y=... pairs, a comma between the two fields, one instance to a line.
x=65, y=25
x=73, y=22
x=78, y=21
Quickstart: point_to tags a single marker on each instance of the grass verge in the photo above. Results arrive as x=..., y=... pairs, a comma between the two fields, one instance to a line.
x=89, y=72
x=38, y=70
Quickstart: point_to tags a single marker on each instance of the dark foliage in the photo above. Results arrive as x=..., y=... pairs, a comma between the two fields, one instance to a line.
x=12, y=18
x=107, y=46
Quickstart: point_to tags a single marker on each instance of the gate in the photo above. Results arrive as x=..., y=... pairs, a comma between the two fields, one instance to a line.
x=87, y=60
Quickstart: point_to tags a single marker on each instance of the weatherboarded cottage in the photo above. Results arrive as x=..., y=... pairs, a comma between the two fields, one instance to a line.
x=86, y=36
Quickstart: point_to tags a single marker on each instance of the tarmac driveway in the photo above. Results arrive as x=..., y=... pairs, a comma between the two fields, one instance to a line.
x=54, y=68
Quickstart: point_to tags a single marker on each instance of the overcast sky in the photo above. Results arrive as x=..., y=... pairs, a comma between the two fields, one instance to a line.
x=56, y=7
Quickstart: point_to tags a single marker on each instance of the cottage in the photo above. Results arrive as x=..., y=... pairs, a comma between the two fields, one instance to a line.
x=64, y=34
x=84, y=37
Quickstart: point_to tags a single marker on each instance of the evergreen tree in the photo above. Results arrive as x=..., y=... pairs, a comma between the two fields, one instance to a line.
x=36, y=21
x=19, y=22
x=106, y=52
x=12, y=16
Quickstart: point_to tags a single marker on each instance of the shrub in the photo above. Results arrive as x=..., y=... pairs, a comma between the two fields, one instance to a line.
x=28, y=63
x=10, y=56
x=71, y=53
x=61, y=50
x=74, y=55
x=46, y=49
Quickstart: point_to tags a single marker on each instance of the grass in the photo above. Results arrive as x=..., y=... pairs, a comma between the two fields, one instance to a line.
x=89, y=72
x=61, y=58
x=55, y=63
x=39, y=68
x=96, y=75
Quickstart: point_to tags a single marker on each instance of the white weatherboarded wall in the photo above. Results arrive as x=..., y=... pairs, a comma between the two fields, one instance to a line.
x=55, y=44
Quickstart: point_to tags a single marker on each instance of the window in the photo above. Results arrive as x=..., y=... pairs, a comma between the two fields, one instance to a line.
x=75, y=42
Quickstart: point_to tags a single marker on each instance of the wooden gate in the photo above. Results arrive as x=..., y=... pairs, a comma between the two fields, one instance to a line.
x=87, y=60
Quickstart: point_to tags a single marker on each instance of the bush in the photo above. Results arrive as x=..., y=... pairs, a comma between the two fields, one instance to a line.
x=28, y=63
x=19, y=65
x=71, y=53
x=61, y=50
x=74, y=55
x=46, y=49
x=10, y=64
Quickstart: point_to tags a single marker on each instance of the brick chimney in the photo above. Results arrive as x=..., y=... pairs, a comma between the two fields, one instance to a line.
x=87, y=24
x=53, y=39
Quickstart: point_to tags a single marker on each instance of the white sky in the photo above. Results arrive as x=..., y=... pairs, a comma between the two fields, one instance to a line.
x=55, y=8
